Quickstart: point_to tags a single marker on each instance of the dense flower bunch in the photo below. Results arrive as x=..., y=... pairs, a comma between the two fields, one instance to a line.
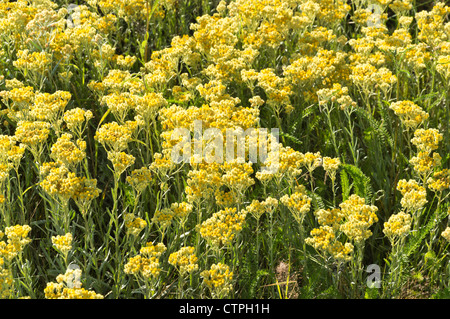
x=63, y=243
x=358, y=218
x=11, y=248
x=411, y=115
x=184, y=260
x=222, y=227
x=146, y=264
x=68, y=286
x=218, y=279
x=397, y=226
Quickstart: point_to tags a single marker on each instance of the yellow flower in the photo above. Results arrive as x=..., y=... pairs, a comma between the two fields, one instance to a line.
x=121, y=161
x=114, y=136
x=330, y=217
x=58, y=181
x=257, y=208
x=32, y=61
x=222, y=227
x=218, y=279
x=32, y=134
x=63, y=243
x=181, y=210
x=67, y=152
x=184, y=260
x=410, y=114
x=17, y=239
x=331, y=165
x=397, y=226
x=298, y=203
x=68, y=286
x=358, y=218
x=426, y=140
x=133, y=224
x=49, y=107
x=312, y=161
x=446, y=234
x=146, y=264
x=322, y=238
x=140, y=179
x=424, y=164
x=440, y=180
x=120, y=104
x=75, y=118
x=414, y=195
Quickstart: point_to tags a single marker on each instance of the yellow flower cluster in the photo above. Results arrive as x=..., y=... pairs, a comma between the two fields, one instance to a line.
x=324, y=240
x=218, y=279
x=146, y=264
x=32, y=134
x=133, y=224
x=397, y=226
x=163, y=217
x=312, y=161
x=68, y=286
x=288, y=160
x=121, y=161
x=236, y=176
x=336, y=94
x=10, y=153
x=446, y=234
x=76, y=120
x=248, y=58
x=331, y=165
x=67, y=152
x=414, y=195
x=184, y=260
x=258, y=208
x=426, y=140
x=330, y=217
x=424, y=163
x=298, y=203
x=63, y=244
x=59, y=182
x=411, y=115
x=114, y=136
x=140, y=179
x=181, y=210
x=202, y=183
x=358, y=218
x=37, y=62
x=440, y=180
x=17, y=239
x=366, y=76
x=222, y=227
x=50, y=107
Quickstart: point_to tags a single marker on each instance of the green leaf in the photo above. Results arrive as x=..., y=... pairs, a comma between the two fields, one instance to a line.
x=345, y=184
x=361, y=182
x=143, y=45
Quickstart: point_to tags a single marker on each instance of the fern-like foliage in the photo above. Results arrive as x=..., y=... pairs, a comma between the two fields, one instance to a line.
x=361, y=183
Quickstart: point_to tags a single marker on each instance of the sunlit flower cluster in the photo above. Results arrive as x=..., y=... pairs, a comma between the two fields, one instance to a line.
x=146, y=264
x=218, y=279
x=397, y=226
x=358, y=218
x=68, y=286
x=184, y=260
x=222, y=227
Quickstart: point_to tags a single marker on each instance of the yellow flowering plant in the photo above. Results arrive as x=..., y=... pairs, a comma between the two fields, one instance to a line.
x=100, y=100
